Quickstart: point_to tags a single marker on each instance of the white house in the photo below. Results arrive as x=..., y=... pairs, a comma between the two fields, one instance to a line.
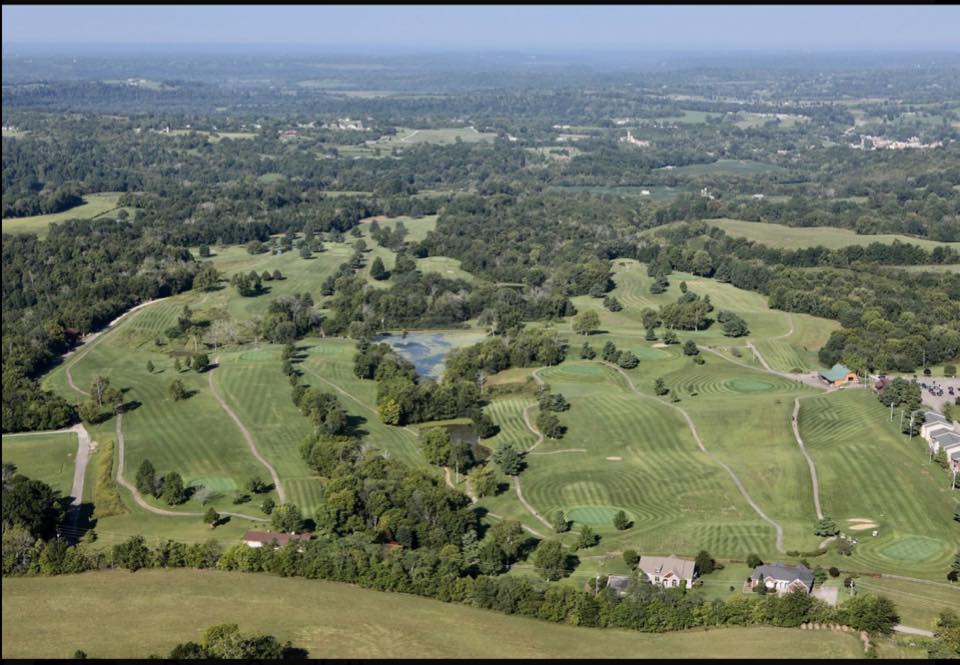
x=668, y=571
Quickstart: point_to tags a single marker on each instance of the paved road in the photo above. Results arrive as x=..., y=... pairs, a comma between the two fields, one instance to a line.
x=246, y=434
x=80, y=465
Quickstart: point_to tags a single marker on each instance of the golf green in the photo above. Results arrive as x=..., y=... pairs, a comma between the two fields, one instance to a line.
x=912, y=548
x=748, y=385
x=593, y=515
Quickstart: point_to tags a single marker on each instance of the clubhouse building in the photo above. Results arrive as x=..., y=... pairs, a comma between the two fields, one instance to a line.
x=839, y=375
x=941, y=434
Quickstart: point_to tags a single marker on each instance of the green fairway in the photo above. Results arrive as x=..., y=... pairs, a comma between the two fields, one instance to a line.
x=917, y=604
x=631, y=444
x=406, y=136
x=115, y=614
x=869, y=471
x=93, y=206
x=417, y=227
x=46, y=457
x=789, y=237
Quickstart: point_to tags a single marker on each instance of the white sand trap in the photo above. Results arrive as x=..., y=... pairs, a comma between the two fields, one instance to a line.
x=615, y=459
x=660, y=345
x=863, y=527
x=859, y=519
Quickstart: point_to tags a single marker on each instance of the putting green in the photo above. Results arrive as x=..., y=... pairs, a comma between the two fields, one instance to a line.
x=212, y=483
x=745, y=385
x=593, y=515
x=594, y=373
x=912, y=548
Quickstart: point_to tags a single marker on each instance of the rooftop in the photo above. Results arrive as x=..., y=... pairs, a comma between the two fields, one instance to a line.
x=783, y=571
x=836, y=372
x=661, y=565
x=945, y=437
x=270, y=536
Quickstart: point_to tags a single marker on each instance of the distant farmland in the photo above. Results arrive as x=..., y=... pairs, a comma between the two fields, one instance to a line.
x=789, y=237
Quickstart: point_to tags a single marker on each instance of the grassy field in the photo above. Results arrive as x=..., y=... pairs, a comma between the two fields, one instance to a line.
x=787, y=237
x=417, y=227
x=739, y=167
x=918, y=604
x=618, y=448
x=93, y=206
x=406, y=136
x=689, y=118
x=114, y=614
x=655, y=193
x=46, y=457
x=869, y=471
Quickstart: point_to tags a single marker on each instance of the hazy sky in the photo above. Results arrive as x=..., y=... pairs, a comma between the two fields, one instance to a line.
x=560, y=27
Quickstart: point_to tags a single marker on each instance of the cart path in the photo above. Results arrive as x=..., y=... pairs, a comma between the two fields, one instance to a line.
x=474, y=500
x=359, y=401
x=89, y=342
x=281, y=494
x=79, y=465
x=696, y=436
x=139, y=497
x=813, y=468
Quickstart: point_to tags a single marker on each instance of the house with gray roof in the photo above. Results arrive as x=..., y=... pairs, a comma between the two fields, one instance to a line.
x=944, y=439
x=782, y=577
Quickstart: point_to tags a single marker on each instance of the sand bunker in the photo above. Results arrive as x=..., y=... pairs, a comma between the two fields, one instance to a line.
x=863, y=526
x=659, y=345
x=859, y=519
x=615, y=459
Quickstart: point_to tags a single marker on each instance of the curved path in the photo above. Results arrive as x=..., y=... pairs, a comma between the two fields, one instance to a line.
x=281, y=494
x=88, y=342
x=813, y=468
x=139, y=497
x=565, y=450
x=696, y=436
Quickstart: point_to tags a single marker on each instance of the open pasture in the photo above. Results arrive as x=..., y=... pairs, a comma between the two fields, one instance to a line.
x=103, y=613
x=721, y=167
x=93, y=206
x=46, y=457
x=654, y=193
x=868, y=470
x=788, y=237
x=417, y=227
x=406, y=136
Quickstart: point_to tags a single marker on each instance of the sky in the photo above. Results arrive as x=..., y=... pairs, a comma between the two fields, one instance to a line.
x=465, y=27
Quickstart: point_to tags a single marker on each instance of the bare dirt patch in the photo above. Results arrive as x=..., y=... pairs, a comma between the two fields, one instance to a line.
x=862, y=526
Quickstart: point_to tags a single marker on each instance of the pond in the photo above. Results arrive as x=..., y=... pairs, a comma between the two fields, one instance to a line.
x=427, y=350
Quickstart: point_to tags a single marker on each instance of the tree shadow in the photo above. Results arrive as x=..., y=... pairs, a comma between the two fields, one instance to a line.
x=132, y=405
x=208, y=368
